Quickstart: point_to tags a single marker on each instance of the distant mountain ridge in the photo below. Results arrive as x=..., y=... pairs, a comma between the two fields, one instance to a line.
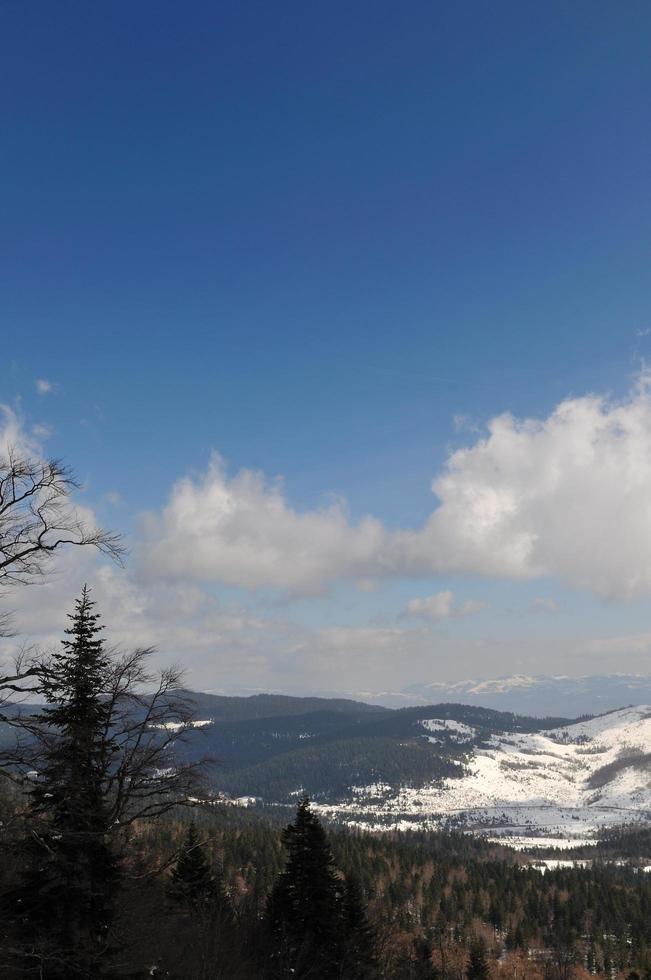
x=425, y=765
x=277, y=747
x=445, y=764
x=535, y=695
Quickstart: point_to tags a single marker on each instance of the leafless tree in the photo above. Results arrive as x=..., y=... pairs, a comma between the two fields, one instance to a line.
x=37, y=518
x=148, y=716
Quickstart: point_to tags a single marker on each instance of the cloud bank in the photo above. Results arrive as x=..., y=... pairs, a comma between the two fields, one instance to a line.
x=242, y=532
x=567, y=496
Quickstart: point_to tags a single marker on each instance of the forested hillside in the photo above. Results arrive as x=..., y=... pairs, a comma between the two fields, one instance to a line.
x=430, y=901
x=277, y=747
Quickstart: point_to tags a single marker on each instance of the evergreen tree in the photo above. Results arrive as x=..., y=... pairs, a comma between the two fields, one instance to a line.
x=191, y=884
x=68, y=894
x=304, y=911
x=478, y=968
x=92, y=762
x=359, y=959
x=420, y=960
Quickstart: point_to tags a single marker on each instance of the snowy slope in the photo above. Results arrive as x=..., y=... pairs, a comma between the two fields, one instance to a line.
x=456, y=731
x=567, y=781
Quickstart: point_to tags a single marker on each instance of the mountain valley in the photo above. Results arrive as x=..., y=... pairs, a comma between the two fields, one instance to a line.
x=448, y=765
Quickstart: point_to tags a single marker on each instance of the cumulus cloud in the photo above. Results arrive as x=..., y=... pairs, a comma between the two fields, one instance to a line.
x=441, y=606
x=242, y=532
x=566, y=496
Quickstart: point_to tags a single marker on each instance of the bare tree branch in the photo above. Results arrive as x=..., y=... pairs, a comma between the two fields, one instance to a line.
x=37, y=518
x=148, y=714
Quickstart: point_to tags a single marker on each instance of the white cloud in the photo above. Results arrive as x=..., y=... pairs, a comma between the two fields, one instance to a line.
x=242, y=532
x=441, y=606
x=432, y=607
x=13, y=434
x=566, y=496
x=215, y=642
x=45, y=387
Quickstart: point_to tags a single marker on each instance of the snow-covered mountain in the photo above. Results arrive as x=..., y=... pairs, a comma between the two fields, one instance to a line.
x=536, y=695
x=565, y=782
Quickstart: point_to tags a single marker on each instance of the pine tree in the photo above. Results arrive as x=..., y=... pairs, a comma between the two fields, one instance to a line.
x=305, y=912
x=478, y=968
x=359, y=959
x=191, y=883
x=194, y=886
x=215, y=941
x=68, y=895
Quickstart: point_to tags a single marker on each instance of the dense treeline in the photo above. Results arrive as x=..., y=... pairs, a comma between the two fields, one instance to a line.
x=105, y=874
x=277, y=745
x=328, y=771
x=204, y=894
x=433, y=897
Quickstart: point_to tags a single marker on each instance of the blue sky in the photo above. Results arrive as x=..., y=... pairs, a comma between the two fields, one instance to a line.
x=331, y=243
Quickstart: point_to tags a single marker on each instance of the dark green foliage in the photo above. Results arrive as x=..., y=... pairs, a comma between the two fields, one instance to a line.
x=270, y=745
x=478, y=968
x=66, y=902
x=328, y=770
x=225, y=709
x=425, y=894
x=191, y=884
x=359, y=940
x=194, y=886
x=304, y=912
x=420, y=961
x=317, y=921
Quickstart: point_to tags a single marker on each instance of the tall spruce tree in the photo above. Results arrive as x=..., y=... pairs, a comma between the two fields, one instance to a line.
x=68, y=895
x=478, y=968
x=359, y=956
x=305, y=908
x=191, y=884
x=195, y=887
